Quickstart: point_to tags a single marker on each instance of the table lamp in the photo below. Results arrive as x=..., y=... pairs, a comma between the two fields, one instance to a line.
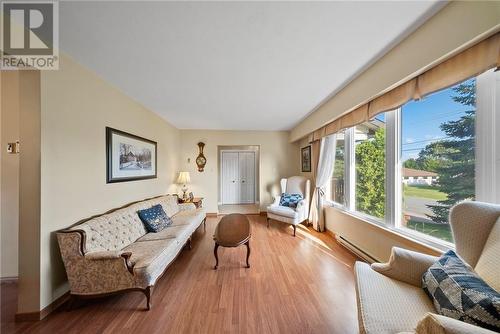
x=184, y=179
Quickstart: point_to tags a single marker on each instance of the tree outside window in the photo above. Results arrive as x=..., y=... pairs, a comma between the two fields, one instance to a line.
x=438, y=139
x=370, y=167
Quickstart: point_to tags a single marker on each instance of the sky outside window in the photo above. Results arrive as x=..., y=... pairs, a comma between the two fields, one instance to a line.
x=422, y=119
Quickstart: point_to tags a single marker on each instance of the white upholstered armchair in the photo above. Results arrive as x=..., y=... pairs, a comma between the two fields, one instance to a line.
x=293, y=216
x=390, y=295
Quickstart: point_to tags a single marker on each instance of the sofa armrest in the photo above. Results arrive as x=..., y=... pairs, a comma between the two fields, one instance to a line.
x=187, y=206
x=94, y=272
x=104, y=255
x=439, y=324
x=406, y=266
x=276, y=200
x=111, y=255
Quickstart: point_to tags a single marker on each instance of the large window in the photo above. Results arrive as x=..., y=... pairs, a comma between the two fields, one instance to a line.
x=406, y=168
x=438, y=157
x=369, y=139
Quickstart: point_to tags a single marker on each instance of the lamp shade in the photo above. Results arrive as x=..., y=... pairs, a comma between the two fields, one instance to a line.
x=183, y=178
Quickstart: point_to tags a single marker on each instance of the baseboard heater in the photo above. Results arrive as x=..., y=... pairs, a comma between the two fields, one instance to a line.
x=355, y=249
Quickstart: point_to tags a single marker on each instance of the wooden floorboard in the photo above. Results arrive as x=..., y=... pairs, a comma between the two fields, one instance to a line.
x=295, y=285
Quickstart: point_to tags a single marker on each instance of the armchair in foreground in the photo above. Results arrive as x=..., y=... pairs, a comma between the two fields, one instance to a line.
x=390, y=295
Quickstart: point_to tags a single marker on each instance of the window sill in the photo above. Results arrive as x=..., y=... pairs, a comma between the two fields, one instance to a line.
x=335, y=205
x=419, y=238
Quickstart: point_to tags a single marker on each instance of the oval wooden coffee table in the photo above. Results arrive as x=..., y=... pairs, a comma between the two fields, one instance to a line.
x=232, y=231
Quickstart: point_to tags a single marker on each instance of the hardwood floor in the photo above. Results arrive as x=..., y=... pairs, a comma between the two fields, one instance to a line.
x=246, y=209
x=295, y=285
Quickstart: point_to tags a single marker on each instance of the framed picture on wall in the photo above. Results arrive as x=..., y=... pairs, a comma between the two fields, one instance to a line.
x=306, y=158
x=129, y=157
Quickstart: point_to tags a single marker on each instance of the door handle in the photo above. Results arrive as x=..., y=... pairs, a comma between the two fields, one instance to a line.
x=242, y=181
x=233, y=181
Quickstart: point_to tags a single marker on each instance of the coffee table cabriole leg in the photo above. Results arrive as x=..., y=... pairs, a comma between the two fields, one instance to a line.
x=216, y=257
x=248, y=253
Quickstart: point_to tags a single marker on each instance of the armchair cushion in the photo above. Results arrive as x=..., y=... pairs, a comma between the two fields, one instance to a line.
x=284, y=211
x=438, y=324
x=387, y=305
x=172, y=232
x=458, y=292
x=149, y=259
x=290, y=200
x=406, y=266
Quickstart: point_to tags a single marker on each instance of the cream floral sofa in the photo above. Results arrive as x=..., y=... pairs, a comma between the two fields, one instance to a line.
x=390, y=295
x=113, y=252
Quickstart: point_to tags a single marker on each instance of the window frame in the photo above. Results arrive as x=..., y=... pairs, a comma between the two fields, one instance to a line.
x=487, y=151
x=330, y=200
x=488, y=92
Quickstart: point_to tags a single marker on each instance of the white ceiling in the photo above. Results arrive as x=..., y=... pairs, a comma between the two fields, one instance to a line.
x=234, y=65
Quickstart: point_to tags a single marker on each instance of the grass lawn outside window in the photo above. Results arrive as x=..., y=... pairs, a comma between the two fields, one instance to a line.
x=441, y=231
x=420, y=222
x=430, y=192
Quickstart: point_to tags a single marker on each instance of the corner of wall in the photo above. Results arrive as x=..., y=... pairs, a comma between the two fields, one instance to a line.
x=29, y=192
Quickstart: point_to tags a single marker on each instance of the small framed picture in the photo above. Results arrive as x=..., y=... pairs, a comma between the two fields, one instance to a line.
x=129, y=157
x=306, y=158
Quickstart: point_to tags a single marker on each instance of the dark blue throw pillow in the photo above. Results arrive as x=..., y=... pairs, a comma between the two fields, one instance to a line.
x=459, y=293
x=154, y=218
x=290, y=200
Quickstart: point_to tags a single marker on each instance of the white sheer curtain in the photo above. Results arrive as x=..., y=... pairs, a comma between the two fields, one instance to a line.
x=326, y=164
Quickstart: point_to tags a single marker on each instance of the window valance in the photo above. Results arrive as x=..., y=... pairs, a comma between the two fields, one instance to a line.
x=469, y=63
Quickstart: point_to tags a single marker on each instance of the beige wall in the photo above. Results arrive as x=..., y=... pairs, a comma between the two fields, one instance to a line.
x=455, y=26
x=9, y=173
x=278, y=158
x=76, y=107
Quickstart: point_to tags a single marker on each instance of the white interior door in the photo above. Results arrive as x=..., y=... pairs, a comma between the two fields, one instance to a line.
x=238, y=177
x=247, y=176
x=230, y=178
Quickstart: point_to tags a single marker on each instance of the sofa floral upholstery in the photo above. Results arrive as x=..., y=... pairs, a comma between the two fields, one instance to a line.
x=113, y=252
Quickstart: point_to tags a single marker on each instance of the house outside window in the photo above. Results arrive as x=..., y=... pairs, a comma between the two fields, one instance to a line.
x=415, y=177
